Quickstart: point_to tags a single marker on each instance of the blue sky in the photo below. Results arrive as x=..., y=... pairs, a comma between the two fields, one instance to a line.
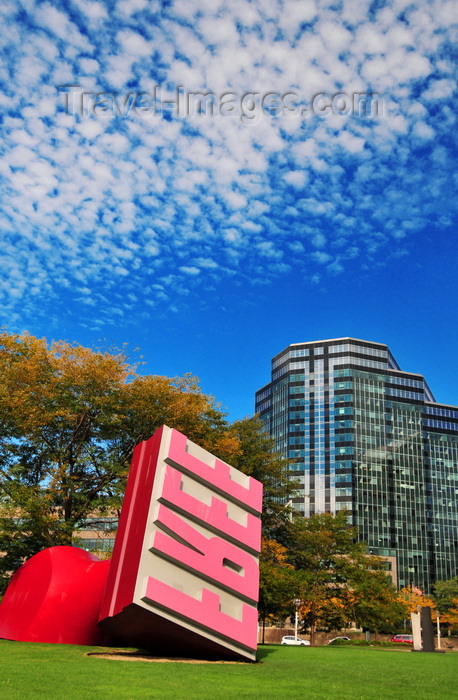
x=211, y=241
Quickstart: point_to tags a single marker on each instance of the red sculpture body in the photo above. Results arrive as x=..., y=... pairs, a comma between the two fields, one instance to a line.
x=56, y=597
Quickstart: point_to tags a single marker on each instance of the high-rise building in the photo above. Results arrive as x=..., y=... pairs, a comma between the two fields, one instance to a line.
x=364, y=435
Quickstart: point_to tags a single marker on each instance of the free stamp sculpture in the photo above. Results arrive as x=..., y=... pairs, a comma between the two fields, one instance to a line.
x=184, y=576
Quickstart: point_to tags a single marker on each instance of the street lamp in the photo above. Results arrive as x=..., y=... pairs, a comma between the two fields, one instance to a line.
x=296, y=602
x=290, y=506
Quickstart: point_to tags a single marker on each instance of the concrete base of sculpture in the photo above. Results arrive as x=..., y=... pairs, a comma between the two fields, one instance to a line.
x=160, y=637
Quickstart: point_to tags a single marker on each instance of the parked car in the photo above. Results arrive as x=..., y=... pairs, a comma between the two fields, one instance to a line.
x=296, y=641
x=336, y=639
x=402, y=638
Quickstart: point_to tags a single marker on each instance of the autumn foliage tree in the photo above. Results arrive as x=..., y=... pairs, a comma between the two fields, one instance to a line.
x=69, y=420
x=57, y=417
x=277, y=581
x=413, y=599
x=450, y=617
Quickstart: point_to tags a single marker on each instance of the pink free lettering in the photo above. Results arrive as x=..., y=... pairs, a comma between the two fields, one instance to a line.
x=214, y=515
x=206, y=612
x=218, y=476
x=216, y=559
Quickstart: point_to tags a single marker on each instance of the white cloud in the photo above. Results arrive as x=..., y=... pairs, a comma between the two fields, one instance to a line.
x=189, y=270
x=321, y=257
x=423, y=131
x=439, y=89
x=134, y=43
x=206, y=263
x=267, y=249
x=95, y=11
x=296, y=178
x=319, y=240
x=90, y=128
x=353, y=144
x=89, y=65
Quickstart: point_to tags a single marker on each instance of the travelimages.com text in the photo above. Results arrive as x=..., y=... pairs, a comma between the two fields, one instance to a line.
x=249, y=107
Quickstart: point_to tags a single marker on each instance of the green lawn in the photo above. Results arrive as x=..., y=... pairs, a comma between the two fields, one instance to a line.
x=344, y=673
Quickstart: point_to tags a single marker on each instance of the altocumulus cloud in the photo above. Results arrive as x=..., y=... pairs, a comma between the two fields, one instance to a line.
x=113, y=212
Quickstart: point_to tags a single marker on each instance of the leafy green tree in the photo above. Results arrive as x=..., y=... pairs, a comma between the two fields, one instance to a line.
x=30, y=528
x=256, y=457
x=58, y=411
x=375, y=602
x=444, y=593
x=339, y=581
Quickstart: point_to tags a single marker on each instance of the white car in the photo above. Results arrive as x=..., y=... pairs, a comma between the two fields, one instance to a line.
x=296, y=641
x=336, y=639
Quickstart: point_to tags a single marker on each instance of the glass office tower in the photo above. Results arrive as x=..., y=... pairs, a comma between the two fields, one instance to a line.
x=361, y=434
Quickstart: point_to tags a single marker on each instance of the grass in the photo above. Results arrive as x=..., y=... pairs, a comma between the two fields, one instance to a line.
x=345, y=673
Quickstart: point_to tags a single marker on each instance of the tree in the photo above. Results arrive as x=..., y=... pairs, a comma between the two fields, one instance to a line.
x=149, y=401
x=70, y=418
x=256, y=457
x=339, y=580
x=277, y=582
x=446, y=599
x=450, y=617
x=58, y=412
x=330, y=612
x=444, y=593
x=412, y=599
x=29, y=528
x=375, y=600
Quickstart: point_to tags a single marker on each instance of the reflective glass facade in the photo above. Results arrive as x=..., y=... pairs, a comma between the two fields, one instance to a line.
x=362, y=434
